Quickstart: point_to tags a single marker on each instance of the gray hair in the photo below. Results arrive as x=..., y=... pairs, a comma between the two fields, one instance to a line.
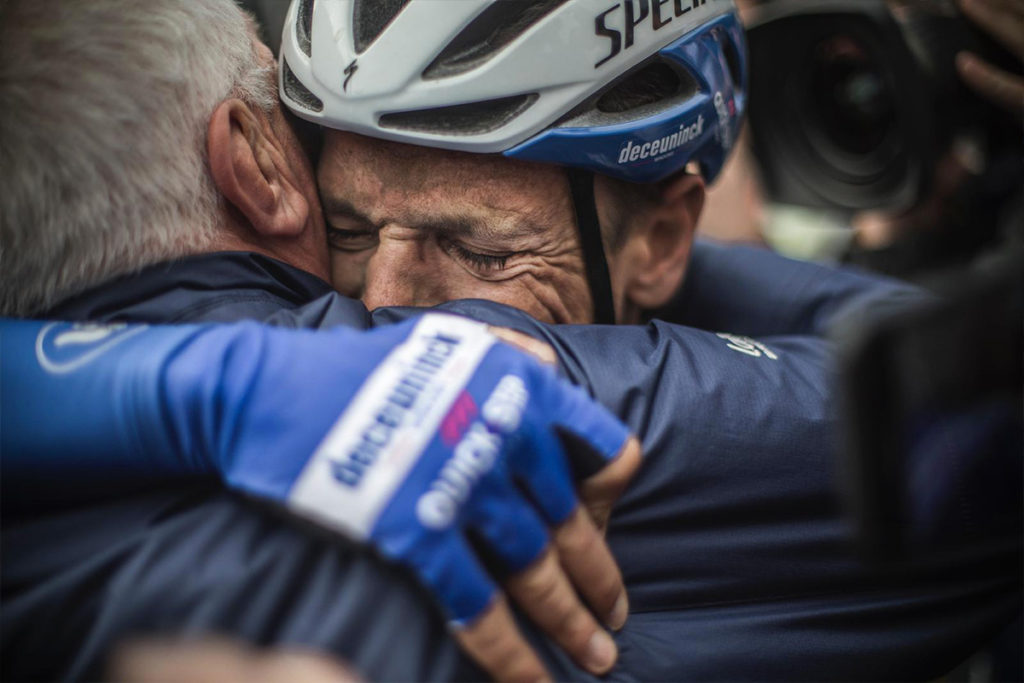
x=104, y=107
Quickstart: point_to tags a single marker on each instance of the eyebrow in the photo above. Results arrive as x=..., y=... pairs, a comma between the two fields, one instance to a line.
x=336, y=206
x=455, y=225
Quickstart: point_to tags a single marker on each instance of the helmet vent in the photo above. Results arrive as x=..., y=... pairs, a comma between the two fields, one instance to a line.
x=653, y=83
x=475, y=118
x=371, y=17
x=487, y=34
x=653, y=87
x=304, y=26
x=297, y=92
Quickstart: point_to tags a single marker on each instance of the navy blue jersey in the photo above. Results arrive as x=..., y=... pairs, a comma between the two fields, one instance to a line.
x=730, y=538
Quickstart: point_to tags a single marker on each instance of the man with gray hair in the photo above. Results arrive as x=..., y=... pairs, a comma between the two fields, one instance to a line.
x=113, y=116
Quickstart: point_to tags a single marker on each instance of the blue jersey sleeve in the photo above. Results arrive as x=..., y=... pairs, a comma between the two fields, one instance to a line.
x=405, y=437
x=93, y=409
x=73, y=418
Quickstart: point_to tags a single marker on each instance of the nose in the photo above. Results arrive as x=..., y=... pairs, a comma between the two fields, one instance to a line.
x=398, y=273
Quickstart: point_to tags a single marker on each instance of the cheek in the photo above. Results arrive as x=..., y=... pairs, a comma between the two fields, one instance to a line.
x=401, y=273
x=508, y=292
x=549, y=294
x=566, y=298
x=348, y=272
x=558, y=285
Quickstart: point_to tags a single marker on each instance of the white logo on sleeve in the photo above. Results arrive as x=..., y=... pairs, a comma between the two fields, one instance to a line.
x=746, y=345
x=473, y=458
x=65, y=347
x=380, y=436
x=475, y=455
x=504, y=409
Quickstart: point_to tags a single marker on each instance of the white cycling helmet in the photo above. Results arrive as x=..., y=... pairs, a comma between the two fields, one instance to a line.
x=633, y=89
x=528, y=78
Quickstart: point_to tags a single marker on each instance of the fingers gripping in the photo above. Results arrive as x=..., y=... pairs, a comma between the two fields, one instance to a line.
x=480, y=618
x=512, y=531
x=998, y=86
x=540, y=583
x=1002, y=19
x=593, y=432
x=542, y=464
x=449, y=566
x=432, y=444
x=496, y=644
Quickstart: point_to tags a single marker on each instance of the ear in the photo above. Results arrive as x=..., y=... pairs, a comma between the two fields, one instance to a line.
x=657, y=249
x=252, y=172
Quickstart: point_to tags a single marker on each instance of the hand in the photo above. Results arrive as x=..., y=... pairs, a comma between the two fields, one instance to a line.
x=441, y=431
x=407, y=438
x=1004, y=21
x=599, y=492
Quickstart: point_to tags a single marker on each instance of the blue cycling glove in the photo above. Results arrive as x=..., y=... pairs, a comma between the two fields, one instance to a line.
x=404, y=437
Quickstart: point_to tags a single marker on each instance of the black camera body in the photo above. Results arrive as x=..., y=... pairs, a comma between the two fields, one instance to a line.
x=932, y=406
x=854, y=101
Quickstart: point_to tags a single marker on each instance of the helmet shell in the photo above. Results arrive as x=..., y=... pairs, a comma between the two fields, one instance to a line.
x=533, y=95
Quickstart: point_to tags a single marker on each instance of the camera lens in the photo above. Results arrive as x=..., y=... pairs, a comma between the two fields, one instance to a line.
x=849, y=98
x=841, y=114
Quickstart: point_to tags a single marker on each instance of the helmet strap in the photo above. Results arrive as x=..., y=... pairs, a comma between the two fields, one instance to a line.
x=581, y=187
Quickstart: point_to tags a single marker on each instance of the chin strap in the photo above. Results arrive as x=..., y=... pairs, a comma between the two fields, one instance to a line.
x=581, y=187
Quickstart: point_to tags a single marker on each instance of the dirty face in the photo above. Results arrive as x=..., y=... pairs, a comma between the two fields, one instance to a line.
x=419, y=226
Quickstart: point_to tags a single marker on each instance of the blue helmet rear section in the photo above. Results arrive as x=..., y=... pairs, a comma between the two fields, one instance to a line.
x=699, y=126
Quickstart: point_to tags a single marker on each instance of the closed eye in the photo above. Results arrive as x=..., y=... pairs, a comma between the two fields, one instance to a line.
x=351, y=240
x=485, y=263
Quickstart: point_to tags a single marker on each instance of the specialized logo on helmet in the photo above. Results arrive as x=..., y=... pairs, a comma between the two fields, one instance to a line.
x=662, y=146
x=619, y=26
x=348, y=73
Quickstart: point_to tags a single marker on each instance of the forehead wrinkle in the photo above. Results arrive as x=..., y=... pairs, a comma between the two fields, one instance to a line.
x=460, y=192
x=508, y=224
x=482, y=219
x=535, y=206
